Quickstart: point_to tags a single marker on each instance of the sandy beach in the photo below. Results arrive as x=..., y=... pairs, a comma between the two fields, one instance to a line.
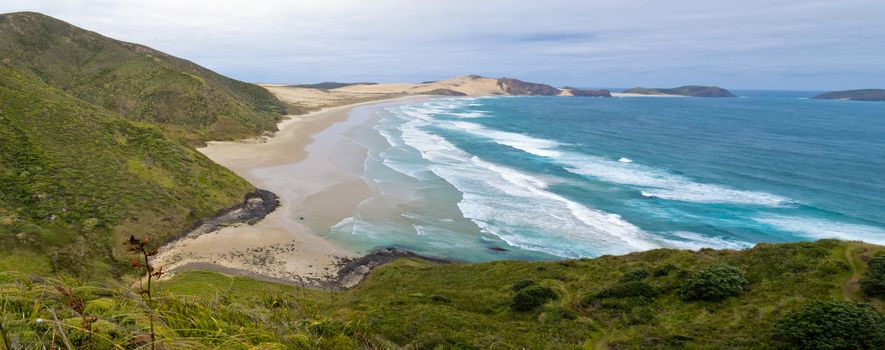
x=313, y=170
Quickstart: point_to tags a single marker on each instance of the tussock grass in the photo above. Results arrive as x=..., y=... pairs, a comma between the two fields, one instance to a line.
x=417, y=304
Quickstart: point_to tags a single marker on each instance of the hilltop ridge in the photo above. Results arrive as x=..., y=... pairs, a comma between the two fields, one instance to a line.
x=75, y=178
x=138, y=82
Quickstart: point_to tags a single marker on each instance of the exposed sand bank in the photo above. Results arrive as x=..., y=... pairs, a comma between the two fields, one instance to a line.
x=312, y=169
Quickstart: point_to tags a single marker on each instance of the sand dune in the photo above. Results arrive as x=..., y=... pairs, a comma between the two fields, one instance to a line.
x=470, y=85
x=310, y=97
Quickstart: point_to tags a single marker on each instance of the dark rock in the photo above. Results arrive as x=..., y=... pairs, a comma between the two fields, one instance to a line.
x=351, y=271
x=255, y=206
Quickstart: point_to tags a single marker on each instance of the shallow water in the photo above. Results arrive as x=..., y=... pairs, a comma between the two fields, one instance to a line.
x=543, y=177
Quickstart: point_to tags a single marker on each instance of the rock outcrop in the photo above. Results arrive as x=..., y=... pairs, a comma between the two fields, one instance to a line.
x=523, y=88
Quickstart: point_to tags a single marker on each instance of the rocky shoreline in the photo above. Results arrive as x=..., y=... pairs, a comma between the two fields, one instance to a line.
x=256, y=205
x=352, y=271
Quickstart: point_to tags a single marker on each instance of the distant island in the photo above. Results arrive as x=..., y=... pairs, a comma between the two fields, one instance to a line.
x=854, y=95
x=687, y=90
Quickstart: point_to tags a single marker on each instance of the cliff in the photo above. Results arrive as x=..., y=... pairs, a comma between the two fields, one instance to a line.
x=518, y=87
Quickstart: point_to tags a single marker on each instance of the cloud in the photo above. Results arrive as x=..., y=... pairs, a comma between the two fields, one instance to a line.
x=788, y=44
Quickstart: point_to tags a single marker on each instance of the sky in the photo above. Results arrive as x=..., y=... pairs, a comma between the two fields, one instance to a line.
x=747, y=44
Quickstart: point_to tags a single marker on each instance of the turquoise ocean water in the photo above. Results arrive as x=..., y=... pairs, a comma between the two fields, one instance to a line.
x=480, y=179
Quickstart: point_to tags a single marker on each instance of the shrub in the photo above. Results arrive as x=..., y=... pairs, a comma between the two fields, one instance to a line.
x=717, y=282
x=664, y=270
x=834, y=324
x=635, y=275
x=519, y=285
x=873, y=282
x=629, y=289
x=531, y=298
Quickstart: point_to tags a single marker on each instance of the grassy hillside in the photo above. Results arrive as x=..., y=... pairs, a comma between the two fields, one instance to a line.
x=75, y=179
x=613, y=302
x=138, y=82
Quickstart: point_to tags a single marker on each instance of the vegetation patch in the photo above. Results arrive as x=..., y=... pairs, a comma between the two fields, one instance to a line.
x=531, y=298
x=873, y=282
x=833, y=324
x=716, y=282
x=417, y=304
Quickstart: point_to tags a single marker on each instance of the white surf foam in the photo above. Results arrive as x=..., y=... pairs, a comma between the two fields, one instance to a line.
x=652, y=182
x=470, y=115
x=516, y=206
x=538, y=147
x=822, y=228
x=348, y=221
x=696, y=241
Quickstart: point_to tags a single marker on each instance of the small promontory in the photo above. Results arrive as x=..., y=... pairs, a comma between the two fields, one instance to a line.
x=687, y=90
x=518, y=87
x=854, y=95
x=572, y=91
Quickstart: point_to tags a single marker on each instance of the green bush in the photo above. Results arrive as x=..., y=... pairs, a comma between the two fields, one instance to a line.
x=635, y=275
x=664, y=270
x=717, y=282
x=629, y=289
x=832, y=325
x=531, y=298
x=873, y=282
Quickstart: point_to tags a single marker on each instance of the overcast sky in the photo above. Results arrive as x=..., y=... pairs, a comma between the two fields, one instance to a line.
x=807, y=45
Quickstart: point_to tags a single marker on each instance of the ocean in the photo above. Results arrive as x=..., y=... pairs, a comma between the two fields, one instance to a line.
x=478, y=179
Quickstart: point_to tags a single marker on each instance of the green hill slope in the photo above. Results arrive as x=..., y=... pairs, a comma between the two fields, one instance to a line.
x=75, y=178
x=634, y=301
x=138, y=82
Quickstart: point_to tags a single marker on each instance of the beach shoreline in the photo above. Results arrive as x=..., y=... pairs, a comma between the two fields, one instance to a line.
x=303, y=164
x=623, y=94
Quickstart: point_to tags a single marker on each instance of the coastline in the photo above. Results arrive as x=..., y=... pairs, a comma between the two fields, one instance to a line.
x=304, y=165
x=622, y=94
